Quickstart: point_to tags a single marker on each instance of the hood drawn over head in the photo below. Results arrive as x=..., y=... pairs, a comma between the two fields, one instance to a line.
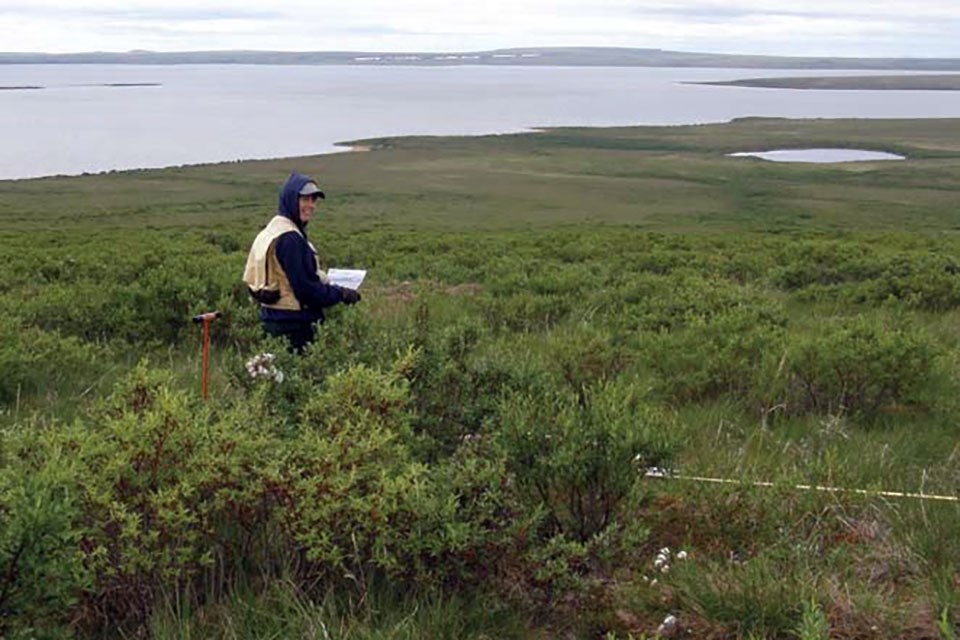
x=288, y=203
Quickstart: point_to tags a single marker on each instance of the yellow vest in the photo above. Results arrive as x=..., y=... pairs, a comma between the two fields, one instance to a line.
x=263, y=273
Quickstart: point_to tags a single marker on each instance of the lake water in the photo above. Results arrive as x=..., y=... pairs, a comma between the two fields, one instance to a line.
x=819, y=155
x=209, y=113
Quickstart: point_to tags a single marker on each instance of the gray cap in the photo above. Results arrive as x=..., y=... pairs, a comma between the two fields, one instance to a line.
x=310, y=189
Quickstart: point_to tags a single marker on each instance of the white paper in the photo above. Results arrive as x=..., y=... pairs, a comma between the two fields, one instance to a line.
x=350, y=278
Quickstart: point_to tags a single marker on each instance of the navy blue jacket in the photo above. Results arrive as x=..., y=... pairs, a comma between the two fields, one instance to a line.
x=299, y=263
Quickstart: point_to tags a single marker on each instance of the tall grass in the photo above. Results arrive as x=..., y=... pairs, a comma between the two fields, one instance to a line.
x=283, y=611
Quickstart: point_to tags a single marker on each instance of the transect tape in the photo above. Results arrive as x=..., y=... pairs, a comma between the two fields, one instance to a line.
x=667, y=475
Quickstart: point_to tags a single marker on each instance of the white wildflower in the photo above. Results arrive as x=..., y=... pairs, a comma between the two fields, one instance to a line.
x=681, y=555
x=669, y=627
x=662, y=562
x=654, y=472
x=261, y=366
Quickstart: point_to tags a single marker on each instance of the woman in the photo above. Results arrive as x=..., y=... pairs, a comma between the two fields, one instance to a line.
x=283, y=273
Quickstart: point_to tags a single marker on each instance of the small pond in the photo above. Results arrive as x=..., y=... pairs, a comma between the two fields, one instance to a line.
x=819, y=155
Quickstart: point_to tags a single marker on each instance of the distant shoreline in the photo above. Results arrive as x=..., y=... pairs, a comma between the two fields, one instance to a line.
x=108, y=85
x=850, y=83
x=527, y=56
x=409, y=141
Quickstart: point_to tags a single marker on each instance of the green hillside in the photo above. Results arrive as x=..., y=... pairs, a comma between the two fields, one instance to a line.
x=467, y=453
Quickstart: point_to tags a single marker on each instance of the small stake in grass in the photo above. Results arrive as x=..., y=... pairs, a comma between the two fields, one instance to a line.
x=206, y=319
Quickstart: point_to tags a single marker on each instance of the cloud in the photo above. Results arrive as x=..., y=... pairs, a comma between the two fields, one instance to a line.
x=158, y=14
x=814, y=27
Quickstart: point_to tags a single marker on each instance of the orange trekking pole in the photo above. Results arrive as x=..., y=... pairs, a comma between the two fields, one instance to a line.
x=206, y=319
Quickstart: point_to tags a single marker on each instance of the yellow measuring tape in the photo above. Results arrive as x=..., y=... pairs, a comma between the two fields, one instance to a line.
x=666, y=475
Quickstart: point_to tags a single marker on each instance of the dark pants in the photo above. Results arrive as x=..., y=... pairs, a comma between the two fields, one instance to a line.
x=298, y=334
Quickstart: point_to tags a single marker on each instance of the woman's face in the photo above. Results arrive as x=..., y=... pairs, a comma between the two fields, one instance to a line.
x=308, y=205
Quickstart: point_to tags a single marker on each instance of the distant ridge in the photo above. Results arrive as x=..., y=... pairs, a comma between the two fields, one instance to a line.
x=531, y=56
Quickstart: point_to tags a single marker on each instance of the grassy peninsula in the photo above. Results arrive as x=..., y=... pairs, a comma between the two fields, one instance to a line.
x=941, y=82
x=467, y=452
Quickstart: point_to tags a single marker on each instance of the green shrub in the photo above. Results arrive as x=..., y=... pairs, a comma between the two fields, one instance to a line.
x=826, y=262
x=143, y=295
x=344, y=498
x=276, y=392
x=170, y=500
x=859, y=365
x=580, y=454
x=157, y=496
x=444, y=386
x=350, y=337
x=470, y=524
x=728, y=354
x=361, y=395
x=559, y=565
x=850, y=270
x=584, y=355
x=527, y=311
x=33, y=361
x=656, y=303
x=921, y=280
x=507, y=365
x=42, y=574
x=358, y=503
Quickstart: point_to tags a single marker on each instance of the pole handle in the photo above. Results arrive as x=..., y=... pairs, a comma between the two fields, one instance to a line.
x=209, y=316
x=206, y=319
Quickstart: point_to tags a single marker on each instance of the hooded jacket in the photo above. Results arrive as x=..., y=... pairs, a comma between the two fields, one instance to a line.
x=298, y=260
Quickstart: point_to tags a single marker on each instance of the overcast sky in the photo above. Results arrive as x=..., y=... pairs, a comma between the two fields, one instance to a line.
x=911, y=28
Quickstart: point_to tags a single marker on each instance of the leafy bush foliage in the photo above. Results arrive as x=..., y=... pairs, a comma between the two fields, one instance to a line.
x=100, y=520
x=729, y=354
x=34, y=362
x=922, y=278
x=486, y=424
x=579, y=455
x=41, y=573
x=859, y=365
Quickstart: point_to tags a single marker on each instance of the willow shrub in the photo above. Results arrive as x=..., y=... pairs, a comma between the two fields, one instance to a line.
x=851, y=271
x=141, y=290
x=579, y=454
x=658, y=303
x=826, y=262
x=33, y=361
x=173, y=498
x=41, y=572
x=860, y=365
x=731, y=353
x=357, y=502
x=147, y=496
x=155, y=495
x=923, y=280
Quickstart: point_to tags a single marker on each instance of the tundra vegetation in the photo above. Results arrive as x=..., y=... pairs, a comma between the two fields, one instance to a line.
x=465, y=454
